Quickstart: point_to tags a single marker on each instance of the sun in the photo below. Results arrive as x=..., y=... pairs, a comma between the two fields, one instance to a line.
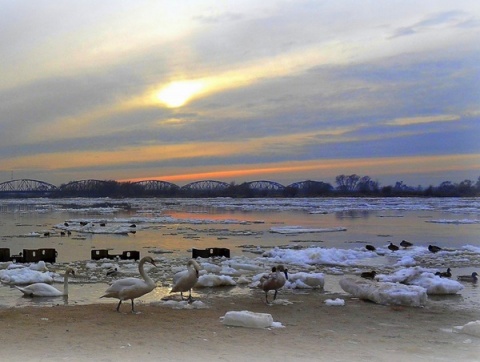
x=177, y=94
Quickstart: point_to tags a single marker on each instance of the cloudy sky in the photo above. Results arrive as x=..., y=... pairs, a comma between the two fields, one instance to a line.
x=238, y=91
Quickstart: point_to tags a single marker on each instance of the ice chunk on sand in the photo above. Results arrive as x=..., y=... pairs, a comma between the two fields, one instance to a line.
x=247, y=319
x=471, y=328
x=385, y=293
x=335, y=302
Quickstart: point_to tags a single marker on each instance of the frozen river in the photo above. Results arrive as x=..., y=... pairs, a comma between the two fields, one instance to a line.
x=167, y=229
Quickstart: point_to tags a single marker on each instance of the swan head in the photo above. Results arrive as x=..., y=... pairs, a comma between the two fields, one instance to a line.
x=70, y=271
x=282, y=269
x=149, y=259
x=195, y=265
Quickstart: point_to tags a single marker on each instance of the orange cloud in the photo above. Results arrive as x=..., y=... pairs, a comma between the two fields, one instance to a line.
x=320, y=169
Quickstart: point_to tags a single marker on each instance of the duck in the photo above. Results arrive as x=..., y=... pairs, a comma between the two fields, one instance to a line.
x=369, y=275
x=446, y=274
x=469, y=278
x=132, y=288
x=112, y=272
x=46, y=290
x=393, y=247
x=184, y=280
x=370, y=247
x=434, y=249
x=274, y=281
x=405, y=244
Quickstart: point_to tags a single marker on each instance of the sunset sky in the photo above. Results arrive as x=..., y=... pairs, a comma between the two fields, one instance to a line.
x=238, y=91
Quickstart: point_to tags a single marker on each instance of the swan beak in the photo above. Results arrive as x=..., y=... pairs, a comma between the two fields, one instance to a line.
x=286, y=273
x=153, y=263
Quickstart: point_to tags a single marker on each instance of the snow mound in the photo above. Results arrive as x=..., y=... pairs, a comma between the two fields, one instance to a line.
x=385, y=293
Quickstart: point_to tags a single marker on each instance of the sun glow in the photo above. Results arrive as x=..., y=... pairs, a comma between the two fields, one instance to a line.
x=176, y=94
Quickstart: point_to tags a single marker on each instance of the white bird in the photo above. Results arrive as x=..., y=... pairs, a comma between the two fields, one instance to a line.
x=46, y=290
x=131, y=288
x=274, y=281
x=185, y=280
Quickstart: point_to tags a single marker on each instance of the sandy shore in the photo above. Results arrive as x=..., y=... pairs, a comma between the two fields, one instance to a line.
x=358, y=331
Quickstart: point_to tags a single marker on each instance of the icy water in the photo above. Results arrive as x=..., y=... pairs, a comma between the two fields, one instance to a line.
x=168, y=229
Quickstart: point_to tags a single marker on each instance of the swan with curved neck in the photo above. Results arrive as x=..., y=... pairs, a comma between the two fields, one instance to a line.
x=46, y=290
x=185, y=280
x=131, y=288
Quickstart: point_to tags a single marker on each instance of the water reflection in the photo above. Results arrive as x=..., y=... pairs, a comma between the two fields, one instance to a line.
x=353, y=214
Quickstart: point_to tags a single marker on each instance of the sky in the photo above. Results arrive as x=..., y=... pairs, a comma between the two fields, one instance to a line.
x=240, y=91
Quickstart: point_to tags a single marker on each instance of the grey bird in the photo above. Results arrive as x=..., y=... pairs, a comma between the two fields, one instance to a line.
x=274, y=281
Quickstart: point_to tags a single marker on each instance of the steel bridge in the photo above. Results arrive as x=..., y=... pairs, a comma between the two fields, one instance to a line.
x=40, y=188
x=26, y=187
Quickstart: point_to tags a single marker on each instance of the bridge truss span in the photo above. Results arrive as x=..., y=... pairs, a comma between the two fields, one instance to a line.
x=27, y=186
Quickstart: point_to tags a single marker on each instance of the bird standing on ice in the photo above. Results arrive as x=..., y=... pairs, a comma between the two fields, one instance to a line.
x=131, y=288
x=46, y=290
x=393, y=247
x=405, y=244
x=184, y=280
x=274, y=281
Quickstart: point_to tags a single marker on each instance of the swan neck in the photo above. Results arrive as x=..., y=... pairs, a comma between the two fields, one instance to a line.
x=65, y=283
x=143, y=274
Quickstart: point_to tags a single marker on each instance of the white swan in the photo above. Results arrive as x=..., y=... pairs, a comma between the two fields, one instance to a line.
x=274, y=281
x=185, y=280
x=46, y=290
x=131, y=288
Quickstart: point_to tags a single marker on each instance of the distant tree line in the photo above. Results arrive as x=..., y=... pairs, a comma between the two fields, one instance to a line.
x=346, y=185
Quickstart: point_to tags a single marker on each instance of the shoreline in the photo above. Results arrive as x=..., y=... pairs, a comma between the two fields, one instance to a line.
x=312, y=331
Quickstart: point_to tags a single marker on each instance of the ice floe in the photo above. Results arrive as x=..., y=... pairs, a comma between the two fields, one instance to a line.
x=385, y=293
x=330, y=256
x=425, y=278
x=303, y=230
x=25, y=275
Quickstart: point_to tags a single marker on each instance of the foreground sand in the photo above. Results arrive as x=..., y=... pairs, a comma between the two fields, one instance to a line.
x=358, y=331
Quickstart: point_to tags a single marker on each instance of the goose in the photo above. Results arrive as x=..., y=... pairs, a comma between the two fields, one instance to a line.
x=131, y=288
x=469, y=278
x=185, y=280
x=369, y=275
x=393, y=247
x=46, y=290
x=446, y=274
x=274, y=281
x=405, y=244
x=434, y=248
x=370, y=247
